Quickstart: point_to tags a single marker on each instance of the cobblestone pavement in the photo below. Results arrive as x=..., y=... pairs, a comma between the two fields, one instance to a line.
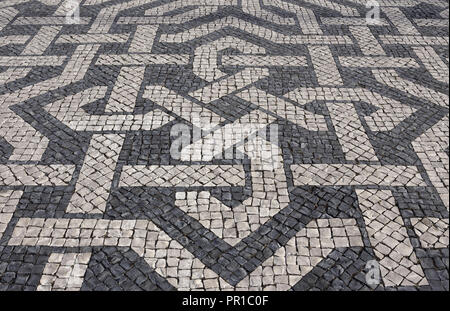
x=117, y=170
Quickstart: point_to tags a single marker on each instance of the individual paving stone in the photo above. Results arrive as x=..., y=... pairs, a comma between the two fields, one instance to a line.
x=302, y=253
x=96, y=175
x=390, y=241
x=432, y=232
x=64, y=272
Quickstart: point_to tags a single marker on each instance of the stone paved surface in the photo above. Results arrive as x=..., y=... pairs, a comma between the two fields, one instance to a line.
x=355, y=122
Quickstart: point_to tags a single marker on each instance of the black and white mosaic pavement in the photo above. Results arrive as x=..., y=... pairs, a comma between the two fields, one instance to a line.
x=99, y=190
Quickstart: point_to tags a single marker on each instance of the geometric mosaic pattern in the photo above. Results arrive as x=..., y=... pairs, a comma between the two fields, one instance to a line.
x=92, y=198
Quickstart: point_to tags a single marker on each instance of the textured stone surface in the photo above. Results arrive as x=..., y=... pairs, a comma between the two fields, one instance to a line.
x=338, y=159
